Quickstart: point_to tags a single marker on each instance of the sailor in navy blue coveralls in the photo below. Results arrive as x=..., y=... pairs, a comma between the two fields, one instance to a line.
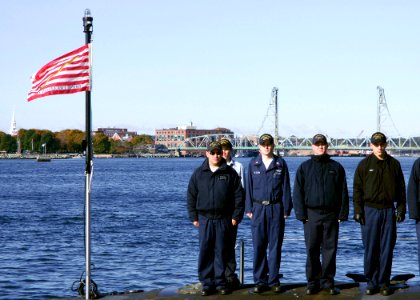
x=215, y=203
x=378, y=184
x=268, y=202
x=321, y=201
x=413, y=199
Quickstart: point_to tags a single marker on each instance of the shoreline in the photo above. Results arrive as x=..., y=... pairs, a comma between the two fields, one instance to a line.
x=160, y=155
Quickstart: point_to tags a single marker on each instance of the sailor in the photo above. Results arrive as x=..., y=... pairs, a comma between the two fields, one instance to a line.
x=378, y=185
x=321, y=201
x=227, y=150
x=268, y=203
x=413, y=199
x=231, y=277
x=215, y=203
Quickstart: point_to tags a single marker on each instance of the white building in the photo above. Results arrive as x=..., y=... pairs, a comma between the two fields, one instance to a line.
x=13, y=130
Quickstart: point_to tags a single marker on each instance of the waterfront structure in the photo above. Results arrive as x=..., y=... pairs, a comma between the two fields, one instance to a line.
x=175, y=138
x=117, y=134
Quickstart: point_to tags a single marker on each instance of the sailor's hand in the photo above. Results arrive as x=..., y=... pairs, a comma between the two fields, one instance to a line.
x=400, y=217
x=249, y=215
x=359, y=218
x=196, y=224
x=234, y=222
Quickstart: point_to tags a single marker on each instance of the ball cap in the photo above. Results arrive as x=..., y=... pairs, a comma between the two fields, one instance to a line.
x=378, y=138
x=214, y=146
x=226, y=144
x=319, y=139
x=266, y=139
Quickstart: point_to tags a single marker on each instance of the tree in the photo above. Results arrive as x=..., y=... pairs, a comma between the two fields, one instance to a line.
x=101, y=143
x=142, y=139
x=118, y=147
x=29, y=139
x=7, y=142
x=48, y=138
x=71, y=140
x=141, y=143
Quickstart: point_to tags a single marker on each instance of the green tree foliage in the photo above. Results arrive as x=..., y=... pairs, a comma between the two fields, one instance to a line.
x=71, y=140
x=142, y=139
x=141, y=144
x=48, y=138
x=118, y=147
x=29, y=141
x=33, y=139
x=7, y=142
x=101, y=143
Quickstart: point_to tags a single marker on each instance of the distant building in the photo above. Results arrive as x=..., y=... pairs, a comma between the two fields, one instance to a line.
x=13, y=129
x=117, y=134
x=175, y=137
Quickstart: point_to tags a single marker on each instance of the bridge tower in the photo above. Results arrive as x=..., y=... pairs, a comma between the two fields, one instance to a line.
x=384, y=122
x=272, y=114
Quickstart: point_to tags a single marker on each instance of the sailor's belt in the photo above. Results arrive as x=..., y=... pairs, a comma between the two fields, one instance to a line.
x=266, y=202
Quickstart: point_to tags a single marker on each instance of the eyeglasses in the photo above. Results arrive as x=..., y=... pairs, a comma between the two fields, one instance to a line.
x=215, y=153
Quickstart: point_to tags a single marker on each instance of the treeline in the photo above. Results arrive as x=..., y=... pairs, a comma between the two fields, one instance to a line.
x=70, y=141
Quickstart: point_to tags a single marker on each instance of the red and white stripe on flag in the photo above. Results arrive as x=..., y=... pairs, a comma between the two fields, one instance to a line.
x=69, y=73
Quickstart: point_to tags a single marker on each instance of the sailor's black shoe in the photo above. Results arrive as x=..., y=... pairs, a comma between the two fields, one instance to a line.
x=223, y=290
x=385, y=291
x=205, y=291
x=259, y=288
x=276, y=288
x=311, y=290
x=334, y=291
x=371, y=291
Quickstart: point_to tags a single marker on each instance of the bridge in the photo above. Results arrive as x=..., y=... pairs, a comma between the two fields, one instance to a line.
x=250, y=143
x=357, y=145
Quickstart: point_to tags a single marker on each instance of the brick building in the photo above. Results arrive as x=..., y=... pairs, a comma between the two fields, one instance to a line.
x=175, y=137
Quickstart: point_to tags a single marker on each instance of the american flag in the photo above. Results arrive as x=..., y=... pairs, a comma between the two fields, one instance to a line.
x=69, y=73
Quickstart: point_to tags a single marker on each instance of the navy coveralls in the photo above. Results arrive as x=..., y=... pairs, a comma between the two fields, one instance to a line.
x=377, y=185
x=214, y=199
x=320, y=200
x=269, y=199
x=413, y=199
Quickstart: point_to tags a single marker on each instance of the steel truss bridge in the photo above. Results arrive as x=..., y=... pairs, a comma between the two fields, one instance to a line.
x=358, y=144
x=250, y=143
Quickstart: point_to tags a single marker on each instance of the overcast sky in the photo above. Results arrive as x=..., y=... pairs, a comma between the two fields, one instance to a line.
x=165, y=63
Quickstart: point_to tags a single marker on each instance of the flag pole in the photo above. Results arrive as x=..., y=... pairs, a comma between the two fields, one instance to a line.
x=88, y=28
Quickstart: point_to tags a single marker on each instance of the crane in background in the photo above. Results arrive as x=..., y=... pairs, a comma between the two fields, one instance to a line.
x=272, y=114
x=383, y=115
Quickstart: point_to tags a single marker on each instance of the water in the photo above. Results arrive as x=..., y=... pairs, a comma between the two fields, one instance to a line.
x=141, y=236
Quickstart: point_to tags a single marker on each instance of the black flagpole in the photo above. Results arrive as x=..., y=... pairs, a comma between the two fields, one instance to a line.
x=88, y=28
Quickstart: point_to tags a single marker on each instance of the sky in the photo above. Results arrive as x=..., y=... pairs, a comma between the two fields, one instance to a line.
x=164, y=63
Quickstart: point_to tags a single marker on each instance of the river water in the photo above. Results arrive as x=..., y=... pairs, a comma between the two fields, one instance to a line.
x=141, y=236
